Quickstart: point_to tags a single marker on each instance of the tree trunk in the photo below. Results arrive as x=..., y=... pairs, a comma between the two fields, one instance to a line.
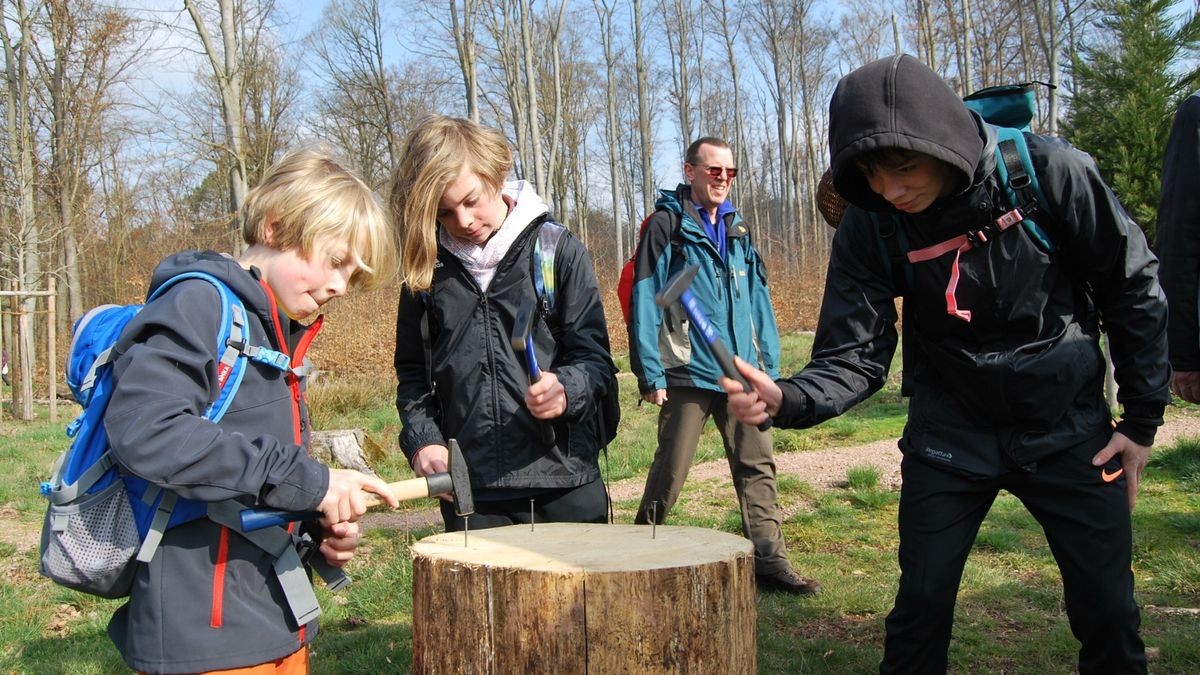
x=643, y=99
x=464, y=43
x=531, y=98
x=604, y=15
x=231, y=85
x=576, y=598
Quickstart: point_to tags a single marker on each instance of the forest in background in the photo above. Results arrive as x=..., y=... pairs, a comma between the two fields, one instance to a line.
x=132, y=130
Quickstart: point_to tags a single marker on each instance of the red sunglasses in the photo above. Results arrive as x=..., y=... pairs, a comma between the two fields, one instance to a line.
x=715, y=172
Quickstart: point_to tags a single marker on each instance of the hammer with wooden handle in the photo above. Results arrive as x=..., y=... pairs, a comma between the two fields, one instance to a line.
x=455, y=481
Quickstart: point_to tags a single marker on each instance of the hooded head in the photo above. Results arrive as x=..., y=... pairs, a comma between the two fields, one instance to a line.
x=898, y=103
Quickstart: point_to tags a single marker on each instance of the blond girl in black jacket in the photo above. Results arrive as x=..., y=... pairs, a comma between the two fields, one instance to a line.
x=467, y=241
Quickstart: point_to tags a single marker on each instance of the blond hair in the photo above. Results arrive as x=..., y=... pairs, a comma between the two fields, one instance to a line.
x=307, y=197
x=434, y=154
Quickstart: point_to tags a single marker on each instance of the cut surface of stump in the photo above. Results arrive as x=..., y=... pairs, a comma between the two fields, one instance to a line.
x=584, y=598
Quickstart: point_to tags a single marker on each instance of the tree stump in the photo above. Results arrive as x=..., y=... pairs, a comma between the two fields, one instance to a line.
x=346, y=448
x=584, y=598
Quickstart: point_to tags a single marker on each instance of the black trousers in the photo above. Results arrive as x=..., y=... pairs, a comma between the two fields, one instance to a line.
x=1087, y=525
x=587, y=503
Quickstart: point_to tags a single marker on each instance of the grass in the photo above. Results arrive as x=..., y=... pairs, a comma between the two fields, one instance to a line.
x=1009, y=616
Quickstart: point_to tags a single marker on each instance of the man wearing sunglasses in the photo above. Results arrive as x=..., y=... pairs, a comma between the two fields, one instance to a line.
x=696, y=224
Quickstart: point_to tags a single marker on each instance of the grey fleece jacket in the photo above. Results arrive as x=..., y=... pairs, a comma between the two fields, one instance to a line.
x=1023, y=378
x=209, y=599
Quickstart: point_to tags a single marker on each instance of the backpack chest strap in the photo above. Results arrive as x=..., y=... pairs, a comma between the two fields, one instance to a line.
x=961, y=244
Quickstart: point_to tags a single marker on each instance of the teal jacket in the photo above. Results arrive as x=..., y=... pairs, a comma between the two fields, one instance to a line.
x=664, y=349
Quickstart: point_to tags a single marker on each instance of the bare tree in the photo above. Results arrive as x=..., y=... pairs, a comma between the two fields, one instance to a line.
x=272, y=91
x=681, y=29
x=229, y=75
x=93, y=51
x=605, y=10
x=644, y=113
x=462, y=29
x=531, y=100
x=552, y=176
x=729, y=23
x=358, y=108
x=20, y=187
x=865, y=33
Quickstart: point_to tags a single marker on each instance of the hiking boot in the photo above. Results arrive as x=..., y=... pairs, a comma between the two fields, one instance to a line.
x=787, y=581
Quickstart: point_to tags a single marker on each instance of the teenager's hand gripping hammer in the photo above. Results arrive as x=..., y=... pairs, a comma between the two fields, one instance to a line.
x=678, y=289
x=456, y=481
x=522, y=341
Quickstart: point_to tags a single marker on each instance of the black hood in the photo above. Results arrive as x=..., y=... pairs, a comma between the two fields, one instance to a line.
x=898, y=102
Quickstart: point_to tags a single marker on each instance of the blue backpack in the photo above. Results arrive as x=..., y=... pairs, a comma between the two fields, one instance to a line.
x=101, y=522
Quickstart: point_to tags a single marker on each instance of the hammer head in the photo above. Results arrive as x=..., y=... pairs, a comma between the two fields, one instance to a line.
x=676, y=285
x=460, y=481
x=524, y=322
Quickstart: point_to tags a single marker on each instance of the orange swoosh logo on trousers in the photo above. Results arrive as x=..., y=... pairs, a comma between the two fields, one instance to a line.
x=1110, y=477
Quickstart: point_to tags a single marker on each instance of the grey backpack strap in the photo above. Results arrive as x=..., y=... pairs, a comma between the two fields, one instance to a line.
x=158, y=525
x=277, y=542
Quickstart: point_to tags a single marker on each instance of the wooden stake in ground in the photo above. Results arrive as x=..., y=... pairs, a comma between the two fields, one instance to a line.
x=584, y=598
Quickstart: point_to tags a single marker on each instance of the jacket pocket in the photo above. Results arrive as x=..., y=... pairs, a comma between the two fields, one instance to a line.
x=1043, y=380
x=1029, y=388
x=675, y=344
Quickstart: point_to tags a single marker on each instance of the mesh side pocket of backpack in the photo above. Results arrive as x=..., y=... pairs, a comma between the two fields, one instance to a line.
x=91, y=544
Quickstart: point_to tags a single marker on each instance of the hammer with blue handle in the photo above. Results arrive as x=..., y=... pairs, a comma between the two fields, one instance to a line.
x=678, y=289
x=522, y=341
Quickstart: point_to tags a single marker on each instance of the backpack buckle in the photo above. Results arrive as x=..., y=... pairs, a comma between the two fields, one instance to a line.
x=977, y=237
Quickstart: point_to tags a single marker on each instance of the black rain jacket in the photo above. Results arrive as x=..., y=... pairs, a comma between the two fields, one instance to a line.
x=474, y=390
x=1178, y=242
x=1024, y=378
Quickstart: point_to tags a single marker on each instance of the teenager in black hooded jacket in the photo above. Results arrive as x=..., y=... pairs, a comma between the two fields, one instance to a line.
x=1003, y=359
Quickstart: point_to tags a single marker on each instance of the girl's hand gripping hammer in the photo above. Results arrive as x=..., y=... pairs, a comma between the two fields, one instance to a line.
x=522, y=341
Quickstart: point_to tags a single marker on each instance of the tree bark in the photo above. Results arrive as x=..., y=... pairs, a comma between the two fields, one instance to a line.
x=643, y=99
x=464, y=44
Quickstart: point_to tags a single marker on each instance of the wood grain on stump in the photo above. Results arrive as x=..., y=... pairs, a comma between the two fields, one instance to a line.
x=584, y=598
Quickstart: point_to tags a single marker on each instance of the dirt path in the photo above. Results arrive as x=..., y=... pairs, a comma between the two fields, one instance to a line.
x=826, y=469
x=823, y=469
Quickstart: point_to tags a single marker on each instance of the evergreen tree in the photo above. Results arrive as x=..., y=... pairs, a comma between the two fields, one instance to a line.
x=1129, y=81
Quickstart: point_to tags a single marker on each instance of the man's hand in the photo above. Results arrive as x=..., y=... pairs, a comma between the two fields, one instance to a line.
x=1186, y=385
x=1133, y=461
x=546, y=398
x=339, y=543
x=657, y=397
x=760, y=403
x=345, y=500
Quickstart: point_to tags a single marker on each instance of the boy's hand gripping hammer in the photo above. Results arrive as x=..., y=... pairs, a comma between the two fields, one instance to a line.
x=456, y=481
x=522, y=341
x=678, y=289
